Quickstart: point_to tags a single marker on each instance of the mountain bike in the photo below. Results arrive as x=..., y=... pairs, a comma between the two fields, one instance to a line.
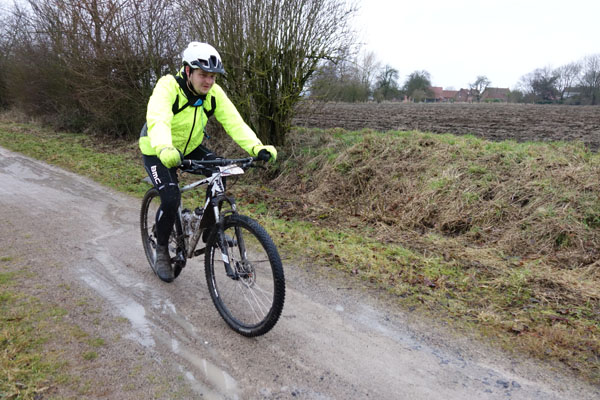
x=242, y=266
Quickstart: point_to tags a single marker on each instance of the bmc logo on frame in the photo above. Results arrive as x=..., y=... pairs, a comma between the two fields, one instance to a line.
x=155, y=175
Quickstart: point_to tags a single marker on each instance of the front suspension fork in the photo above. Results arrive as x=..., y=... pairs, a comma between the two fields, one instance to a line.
x=224, y=246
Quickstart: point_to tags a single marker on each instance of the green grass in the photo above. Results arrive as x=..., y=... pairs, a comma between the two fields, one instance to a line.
x=33, y=333
x=27, y=370
x=90, y=355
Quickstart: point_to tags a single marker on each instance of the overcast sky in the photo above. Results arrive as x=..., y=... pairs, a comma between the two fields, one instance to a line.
x=457, y=40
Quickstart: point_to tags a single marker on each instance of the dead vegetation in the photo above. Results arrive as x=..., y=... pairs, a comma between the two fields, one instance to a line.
x=531, y=201
x=503, y=235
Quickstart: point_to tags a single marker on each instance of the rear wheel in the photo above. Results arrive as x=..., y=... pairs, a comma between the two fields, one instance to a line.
x=150, y=205
x=245, y=276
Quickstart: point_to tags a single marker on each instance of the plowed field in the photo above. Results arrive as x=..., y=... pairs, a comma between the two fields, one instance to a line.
x=520, y=122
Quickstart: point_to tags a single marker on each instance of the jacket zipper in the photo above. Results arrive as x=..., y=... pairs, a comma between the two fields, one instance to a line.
x=191, y=130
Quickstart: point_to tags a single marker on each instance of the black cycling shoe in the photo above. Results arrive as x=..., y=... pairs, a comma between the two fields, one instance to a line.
x=162, y=265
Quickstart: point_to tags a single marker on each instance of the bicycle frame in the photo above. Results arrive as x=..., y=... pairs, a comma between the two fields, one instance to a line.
x=216, y=195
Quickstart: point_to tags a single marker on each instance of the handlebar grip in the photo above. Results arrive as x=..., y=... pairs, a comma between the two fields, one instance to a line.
x=263, y=155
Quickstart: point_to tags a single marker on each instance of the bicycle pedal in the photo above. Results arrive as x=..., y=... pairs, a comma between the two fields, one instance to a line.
x=199, y=251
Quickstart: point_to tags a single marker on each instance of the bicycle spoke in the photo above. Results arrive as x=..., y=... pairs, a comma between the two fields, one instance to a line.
x=248, y=300
x=263, y=305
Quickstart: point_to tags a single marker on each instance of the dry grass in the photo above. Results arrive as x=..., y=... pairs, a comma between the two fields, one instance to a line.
x=526, y=200
x=503, y=237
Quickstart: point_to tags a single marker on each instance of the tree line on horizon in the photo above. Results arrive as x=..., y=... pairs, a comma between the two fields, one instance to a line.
x=362, y=78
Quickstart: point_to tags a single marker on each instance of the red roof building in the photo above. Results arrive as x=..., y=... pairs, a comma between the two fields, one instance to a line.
x=495, y=94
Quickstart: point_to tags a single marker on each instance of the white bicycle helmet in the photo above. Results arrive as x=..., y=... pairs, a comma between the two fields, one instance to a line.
x=203, y=56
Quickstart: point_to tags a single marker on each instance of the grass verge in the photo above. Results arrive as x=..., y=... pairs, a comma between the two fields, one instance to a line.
x=28, y=371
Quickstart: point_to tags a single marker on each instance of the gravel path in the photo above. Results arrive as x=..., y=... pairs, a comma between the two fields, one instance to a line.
x=334, y=340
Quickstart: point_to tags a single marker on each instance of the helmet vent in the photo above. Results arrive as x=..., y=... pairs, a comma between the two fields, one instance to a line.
x=203, y=56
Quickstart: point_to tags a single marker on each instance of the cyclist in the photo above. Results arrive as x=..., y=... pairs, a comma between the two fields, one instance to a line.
x=177, y=113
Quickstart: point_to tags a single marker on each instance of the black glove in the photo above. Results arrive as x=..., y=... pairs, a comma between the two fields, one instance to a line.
x=264, y=155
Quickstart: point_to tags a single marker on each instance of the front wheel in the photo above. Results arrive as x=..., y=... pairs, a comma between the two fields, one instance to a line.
x=245, y=276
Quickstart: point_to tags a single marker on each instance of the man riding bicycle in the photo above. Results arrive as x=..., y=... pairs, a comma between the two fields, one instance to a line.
x=177, y=113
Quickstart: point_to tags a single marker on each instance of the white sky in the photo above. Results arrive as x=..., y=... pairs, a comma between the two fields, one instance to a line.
x=458, y=40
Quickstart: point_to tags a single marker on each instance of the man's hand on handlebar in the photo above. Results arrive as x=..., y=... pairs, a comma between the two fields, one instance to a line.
x=263, y=155
x=169, y=156
x=269, y=150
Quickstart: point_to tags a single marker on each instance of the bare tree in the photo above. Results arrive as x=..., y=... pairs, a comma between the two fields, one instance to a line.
x=324, y=83
x=539, y=86
x=8, y=37
x=29, y=84
x=349, y=79
x=96, y=61
x=270, y=50
x=479, y=86
x=345, y=80
x=568, y=76
x=590, y=81
x=386, y=87
x=368, y=65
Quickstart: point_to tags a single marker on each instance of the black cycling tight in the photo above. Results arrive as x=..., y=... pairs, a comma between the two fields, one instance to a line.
x=166, y=182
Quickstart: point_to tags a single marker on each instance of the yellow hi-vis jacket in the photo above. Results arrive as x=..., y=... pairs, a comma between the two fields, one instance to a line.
x=184, y=130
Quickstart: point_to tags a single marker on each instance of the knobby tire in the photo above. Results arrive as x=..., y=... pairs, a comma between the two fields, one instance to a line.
x=250, y=304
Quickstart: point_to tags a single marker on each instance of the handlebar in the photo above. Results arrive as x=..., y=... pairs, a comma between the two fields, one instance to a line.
x=200, y=165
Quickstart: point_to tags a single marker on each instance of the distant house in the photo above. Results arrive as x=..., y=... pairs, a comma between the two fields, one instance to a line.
x=495, y=94
x=449, y=95
x=441, y=95
x=437, y=93
x=465, y=96
x=571, y=92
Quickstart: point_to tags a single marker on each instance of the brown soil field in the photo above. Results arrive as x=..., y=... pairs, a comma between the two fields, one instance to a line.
x=519, y=122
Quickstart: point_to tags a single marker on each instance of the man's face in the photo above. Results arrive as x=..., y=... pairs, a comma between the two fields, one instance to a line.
x=202, y=81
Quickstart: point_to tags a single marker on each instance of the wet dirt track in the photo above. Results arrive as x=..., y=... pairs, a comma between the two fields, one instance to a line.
x=332, y=342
